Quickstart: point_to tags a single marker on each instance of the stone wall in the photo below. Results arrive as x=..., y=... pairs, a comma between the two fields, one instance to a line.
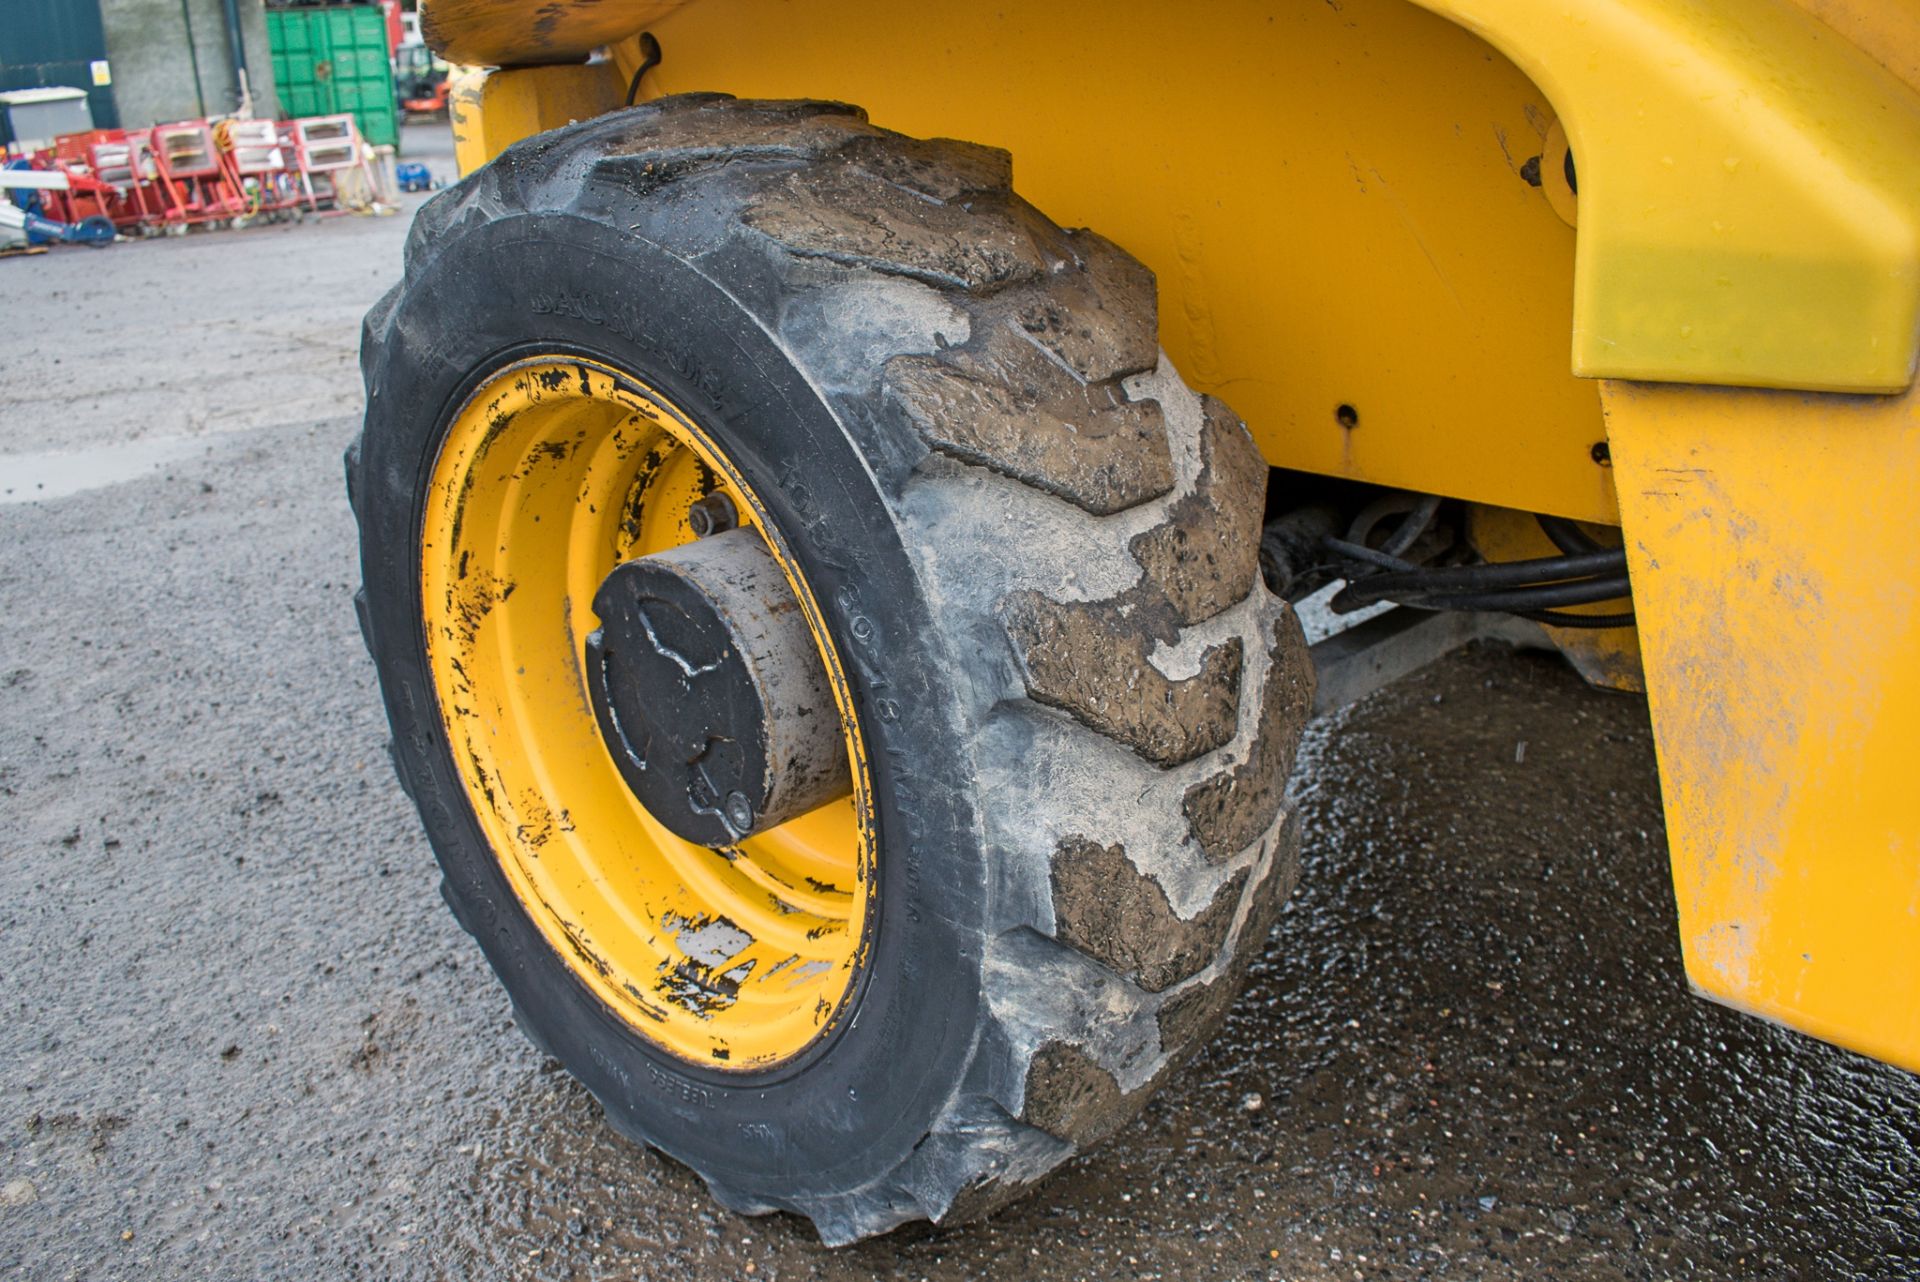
x=153, y=64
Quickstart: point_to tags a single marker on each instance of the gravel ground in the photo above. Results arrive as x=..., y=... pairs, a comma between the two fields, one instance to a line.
x=243, y=1039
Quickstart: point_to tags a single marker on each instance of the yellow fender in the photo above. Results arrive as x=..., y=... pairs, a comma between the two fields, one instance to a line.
x=1750, y=208
x=1751, y=215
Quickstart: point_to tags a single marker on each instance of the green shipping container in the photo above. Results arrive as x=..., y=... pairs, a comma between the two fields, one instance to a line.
x=332, y=61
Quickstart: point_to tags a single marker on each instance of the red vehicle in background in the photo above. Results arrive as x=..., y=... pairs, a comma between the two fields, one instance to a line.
x=420, y=80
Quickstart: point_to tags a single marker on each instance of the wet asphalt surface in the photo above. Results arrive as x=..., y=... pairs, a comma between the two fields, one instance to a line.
x=242, y=1037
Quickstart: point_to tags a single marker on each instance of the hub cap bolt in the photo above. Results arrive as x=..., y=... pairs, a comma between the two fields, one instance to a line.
x=739, y=812
x=714, y=514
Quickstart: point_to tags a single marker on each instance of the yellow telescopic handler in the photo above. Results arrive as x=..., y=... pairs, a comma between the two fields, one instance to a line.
x=837, y=480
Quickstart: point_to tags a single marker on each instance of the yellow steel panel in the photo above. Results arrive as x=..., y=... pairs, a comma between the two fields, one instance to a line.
x=1777, y=596
x=1888, y=31
x=491, y=111
x=509, y=33
x=1750, y=189
x=1330, y=196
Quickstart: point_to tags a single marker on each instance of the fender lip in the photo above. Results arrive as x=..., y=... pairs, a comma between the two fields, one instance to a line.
x=1750, y=191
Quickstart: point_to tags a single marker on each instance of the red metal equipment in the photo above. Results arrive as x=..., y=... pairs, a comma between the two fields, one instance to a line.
x=192, y=173
x=325, y=148
x=87, y=193
x=125, y=163
x=259, y=165
x=197, y=185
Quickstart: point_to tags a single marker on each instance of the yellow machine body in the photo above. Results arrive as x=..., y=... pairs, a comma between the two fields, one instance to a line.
x=1458, y=248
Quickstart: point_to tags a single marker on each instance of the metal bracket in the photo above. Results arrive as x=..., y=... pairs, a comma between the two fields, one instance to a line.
x=1369, y=656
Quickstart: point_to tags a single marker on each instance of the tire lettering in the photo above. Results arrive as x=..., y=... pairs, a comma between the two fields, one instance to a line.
x=685, y=1092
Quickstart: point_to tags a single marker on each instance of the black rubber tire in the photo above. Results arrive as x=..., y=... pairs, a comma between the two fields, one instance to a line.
x=1037, y=551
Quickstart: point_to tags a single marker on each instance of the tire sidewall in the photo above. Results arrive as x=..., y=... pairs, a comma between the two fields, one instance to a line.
x=853, y=1105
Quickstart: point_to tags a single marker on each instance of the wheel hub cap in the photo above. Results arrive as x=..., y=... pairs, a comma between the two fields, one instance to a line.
x=709, y=692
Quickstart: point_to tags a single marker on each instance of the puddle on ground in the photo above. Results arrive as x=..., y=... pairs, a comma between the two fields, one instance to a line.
x=36, y=478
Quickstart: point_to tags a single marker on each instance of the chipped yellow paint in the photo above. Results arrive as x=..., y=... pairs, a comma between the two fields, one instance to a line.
x=552, y=472
x=1779, y=603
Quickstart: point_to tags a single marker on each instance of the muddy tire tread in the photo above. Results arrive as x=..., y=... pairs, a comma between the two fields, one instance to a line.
x=1043, y=407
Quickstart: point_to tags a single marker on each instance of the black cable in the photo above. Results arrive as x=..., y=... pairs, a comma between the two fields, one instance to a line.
x=1586, y=573
x=1567, y=536
x=1416, y=513
x=1488, y=576
x=1558, y=619
x=1543, y=596
x=1361, y=552
x=649, y=59
x=1413, y=527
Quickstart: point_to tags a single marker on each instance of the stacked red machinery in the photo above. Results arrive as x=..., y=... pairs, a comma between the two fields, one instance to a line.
x=91, y=162
x=191, y=173
x=259, y=165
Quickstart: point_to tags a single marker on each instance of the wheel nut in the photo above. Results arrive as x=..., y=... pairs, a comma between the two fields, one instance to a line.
x=739, y=812
x=714, y=514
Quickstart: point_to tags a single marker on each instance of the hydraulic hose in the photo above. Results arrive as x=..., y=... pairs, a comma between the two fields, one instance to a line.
x=1538, y=588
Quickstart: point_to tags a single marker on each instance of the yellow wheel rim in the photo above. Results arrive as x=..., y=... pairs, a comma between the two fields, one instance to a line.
x=554, y=471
